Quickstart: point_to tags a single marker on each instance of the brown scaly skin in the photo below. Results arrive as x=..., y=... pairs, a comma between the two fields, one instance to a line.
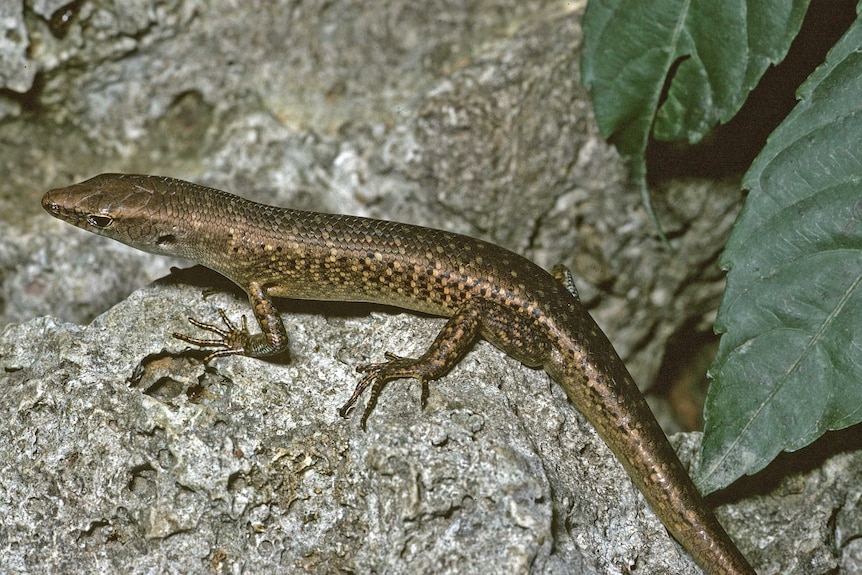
x=484, y=289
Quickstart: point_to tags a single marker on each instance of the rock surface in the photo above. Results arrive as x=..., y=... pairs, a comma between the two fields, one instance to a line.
x=127, y=453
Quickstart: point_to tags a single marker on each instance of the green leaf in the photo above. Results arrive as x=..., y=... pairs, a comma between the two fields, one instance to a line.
x=721, y=48
x=789, y=365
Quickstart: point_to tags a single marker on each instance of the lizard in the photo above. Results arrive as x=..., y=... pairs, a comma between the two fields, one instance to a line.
x=485, y=290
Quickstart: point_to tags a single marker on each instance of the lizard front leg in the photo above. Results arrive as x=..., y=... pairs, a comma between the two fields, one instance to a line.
x=233, y=340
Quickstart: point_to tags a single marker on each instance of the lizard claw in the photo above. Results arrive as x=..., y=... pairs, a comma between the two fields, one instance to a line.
x=231, y=341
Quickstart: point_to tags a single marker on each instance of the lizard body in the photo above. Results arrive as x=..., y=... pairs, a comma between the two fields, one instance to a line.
x=484, y=290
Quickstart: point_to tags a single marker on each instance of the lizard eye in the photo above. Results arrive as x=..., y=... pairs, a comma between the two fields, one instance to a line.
x=100, y=222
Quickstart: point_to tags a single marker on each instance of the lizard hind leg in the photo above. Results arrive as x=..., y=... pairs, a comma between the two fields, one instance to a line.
x=563, y=275
x=448, y=348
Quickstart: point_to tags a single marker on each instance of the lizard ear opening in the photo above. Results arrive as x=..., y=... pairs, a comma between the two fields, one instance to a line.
x=100, y=222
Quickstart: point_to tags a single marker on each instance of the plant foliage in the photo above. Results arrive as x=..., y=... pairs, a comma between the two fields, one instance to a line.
x=789, y=366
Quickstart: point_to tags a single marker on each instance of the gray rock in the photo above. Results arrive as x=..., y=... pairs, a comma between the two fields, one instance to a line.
x=16, y=73
x=125, y=452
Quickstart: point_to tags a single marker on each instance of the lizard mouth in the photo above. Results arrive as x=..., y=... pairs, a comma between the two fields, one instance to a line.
x=52, y=206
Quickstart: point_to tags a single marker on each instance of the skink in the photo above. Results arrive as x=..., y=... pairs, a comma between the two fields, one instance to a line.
x=484, y=290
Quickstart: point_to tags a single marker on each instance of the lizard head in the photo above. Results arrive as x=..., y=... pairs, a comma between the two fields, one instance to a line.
x=141, y=211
